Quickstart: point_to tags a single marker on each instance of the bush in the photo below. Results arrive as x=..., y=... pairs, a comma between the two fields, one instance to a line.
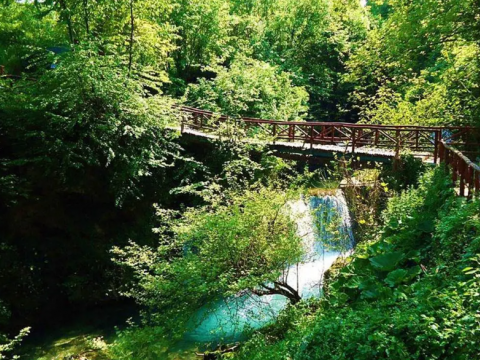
x=239, y=244
x=251, y=88
x=80, y=146
x=411, y=294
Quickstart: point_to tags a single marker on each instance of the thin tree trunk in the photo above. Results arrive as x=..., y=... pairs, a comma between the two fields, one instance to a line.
x=85, y=10
x=65, y=10
x=293, y=296
x=280, y=288
x=132, y=29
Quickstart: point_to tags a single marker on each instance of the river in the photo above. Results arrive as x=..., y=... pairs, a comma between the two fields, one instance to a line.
x=324, y=224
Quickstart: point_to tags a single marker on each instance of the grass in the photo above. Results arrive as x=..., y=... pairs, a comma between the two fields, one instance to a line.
x=77, y=344
x=323, y=187
x=84, y=338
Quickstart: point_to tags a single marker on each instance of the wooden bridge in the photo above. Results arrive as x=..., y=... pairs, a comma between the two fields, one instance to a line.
x=449, y=145
x=452, y=146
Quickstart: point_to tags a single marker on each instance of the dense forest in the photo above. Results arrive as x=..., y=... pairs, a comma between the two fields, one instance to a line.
x=104, y=204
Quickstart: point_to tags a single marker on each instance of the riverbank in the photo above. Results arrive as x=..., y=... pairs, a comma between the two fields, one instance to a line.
x=82, y=337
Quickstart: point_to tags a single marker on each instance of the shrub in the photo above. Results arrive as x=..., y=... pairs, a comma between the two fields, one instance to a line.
x=411, y=294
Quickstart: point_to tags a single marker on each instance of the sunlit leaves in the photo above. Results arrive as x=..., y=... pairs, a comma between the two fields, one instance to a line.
x=411, y=69
x=251, y=88
x=213, y=252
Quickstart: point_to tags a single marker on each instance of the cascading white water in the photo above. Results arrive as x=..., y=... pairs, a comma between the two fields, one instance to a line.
x=326, y=229
x=227, y=320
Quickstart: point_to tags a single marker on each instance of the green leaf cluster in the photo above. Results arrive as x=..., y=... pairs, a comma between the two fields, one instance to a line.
x=419, y=64
x=216, y=251
x=410, y=293
x=250, y=88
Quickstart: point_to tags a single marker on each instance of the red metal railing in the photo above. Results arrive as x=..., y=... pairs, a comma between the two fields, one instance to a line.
x=415, y=138
x=438, y=141
x=465, y=173
x=442, y=143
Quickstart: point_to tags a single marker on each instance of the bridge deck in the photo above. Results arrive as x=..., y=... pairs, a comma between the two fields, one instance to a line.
x=370, y=142
x=340, y=148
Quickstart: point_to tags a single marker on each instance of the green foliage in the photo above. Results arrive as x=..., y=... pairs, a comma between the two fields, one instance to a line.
x=308, y=39
x=250, y=88
x=386, y=262
x=84, y=141
x=87, y=148
x=217, y=251
x=100, y=116
x=204, y=37
x=365, y=193
x=461, y=223
x=419, y=66
x=404, y=172
x=409, y=294
x=311, y=39
x=8, y=345
x=24, y=36
x=138, y=342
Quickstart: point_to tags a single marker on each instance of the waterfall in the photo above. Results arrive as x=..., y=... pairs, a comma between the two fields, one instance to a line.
x=325, y=227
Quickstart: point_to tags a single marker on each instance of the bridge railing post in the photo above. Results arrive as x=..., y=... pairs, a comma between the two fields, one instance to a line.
x=453, y=163
x=461, y=170
x=398, y=144
x=311, y=137
x=438, y=136
x=441, y=153
x=354, y=140
x=446, y=154
x=396, y=160
x=469, y=177
x=476, y=182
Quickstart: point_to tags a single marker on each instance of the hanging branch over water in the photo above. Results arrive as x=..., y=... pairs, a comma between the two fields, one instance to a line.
x=279, y=288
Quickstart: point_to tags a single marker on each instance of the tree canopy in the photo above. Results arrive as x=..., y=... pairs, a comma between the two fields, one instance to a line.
x=217, y=251
x=90, y=92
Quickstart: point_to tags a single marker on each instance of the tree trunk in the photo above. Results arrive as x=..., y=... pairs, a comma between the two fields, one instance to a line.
x=66, y=13
x=85, y=11
x=132, y=29
x=280, y=288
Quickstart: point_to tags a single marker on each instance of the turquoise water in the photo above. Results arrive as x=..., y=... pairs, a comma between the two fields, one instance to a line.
x=228, y=320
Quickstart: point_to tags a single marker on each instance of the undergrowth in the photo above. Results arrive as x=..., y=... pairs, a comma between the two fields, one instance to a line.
x=409, y=292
